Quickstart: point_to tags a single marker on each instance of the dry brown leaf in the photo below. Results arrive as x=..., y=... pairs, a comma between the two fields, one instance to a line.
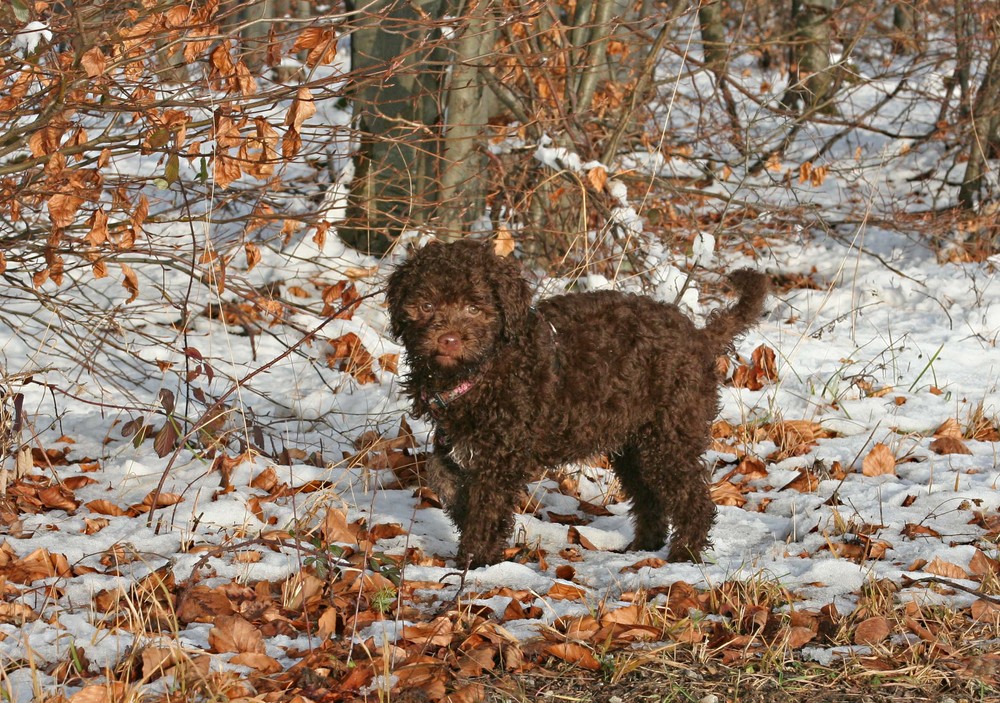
x=102, y=693
x=982, y=565
x=566, y=591
x=94, y=62
x=231, y=633
x=651, y=562
x=303, y=107
x=798, y=636
x=573, y=653
x=256, y=660
x=949, y=428
x=598, y=177
x=949, y=445
x=985, y=611
x=872, y=631
x=203, y=604
x=946, y=569
x=335, y=528
x=629, y=615
x=573, y=536
x=580, y=628
x=805, y=482
x=104, y=507
x=98, y=233
x=225, y=170
x=503, y=244
x=156, y=661
x=436, y=633
x=727, y=493
x=565, y=572
x=62, y=209
x=131, y=282
x=879, y=461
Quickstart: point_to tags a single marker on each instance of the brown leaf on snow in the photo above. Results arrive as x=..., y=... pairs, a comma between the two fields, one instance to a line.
x=879, y=461
x=565, y=572
x=231, y=633
x=651, y=562
x=573, y=536
x=949, y=445
x=104, y=507
x=982, y=565
x=566, y=591
x=255, y=660
x=53, y=497
x=580, y=628
x=872, y=631
x=336, y=529
x=40, y=564
x=949, y=428
x=805, y=482
x=913, y=530
x=752, y=468
x=946, y=569
x=726, y=493
x=16, y=614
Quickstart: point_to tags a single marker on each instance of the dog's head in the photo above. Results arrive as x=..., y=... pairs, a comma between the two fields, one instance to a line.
x=451, y=304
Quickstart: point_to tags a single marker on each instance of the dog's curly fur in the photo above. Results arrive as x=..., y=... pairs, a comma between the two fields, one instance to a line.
x=512, y=389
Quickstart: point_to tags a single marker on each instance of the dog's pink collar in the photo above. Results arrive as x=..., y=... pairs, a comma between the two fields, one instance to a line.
x=439, y=401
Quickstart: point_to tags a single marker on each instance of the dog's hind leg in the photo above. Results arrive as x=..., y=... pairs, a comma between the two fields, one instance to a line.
x=663, y=474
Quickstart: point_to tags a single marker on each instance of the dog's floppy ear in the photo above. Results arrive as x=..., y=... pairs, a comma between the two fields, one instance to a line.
x=397, y=290
x=513, y=295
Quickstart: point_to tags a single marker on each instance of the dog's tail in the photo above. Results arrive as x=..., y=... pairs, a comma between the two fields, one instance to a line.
x=725, y=324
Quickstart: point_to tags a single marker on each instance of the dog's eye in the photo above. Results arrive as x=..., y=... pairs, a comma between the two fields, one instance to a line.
x=426, y=308
x=474, y=309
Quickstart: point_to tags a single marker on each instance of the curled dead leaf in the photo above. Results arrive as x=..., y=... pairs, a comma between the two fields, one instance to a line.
x=949, y=445
x=573, y=653
x=945, y=569
x=949, y=428
x=566, y=591
x=879, y=461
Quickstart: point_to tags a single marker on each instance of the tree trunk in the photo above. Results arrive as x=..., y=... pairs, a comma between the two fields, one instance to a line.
x=964, y=45
x=713, y=36
x=904, y=28
x=397, y=68
x=985, y=136
x=811, y=81
x=463, y=176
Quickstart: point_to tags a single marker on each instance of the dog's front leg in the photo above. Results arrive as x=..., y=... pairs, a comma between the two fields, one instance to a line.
x=442, y=474
x=484, y=512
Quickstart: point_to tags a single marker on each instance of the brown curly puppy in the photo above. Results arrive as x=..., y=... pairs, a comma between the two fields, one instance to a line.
x=512, y=389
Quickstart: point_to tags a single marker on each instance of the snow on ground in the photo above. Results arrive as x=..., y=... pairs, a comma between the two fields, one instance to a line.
x=928, y=332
